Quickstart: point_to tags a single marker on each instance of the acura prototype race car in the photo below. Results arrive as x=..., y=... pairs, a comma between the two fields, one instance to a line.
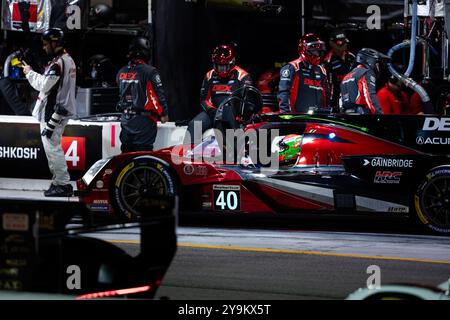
x=345, y=164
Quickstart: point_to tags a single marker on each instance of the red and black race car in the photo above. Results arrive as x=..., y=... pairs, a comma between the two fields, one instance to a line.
x=376, y=164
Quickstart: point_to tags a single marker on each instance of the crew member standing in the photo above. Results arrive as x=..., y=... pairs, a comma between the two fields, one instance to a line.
x=393, y=99
x=303, y=82
x=338, y=62
x=142, y=99
x=358, y=89
x=219, y=83
x=54, y=107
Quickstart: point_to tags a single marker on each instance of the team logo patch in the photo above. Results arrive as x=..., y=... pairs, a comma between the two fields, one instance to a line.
x=286, y=73
x=188, y=169
x=387, y=177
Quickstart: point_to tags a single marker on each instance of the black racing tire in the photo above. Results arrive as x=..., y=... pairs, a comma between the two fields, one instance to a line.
x=432, y=200
x=136, y=182
x=393, y=296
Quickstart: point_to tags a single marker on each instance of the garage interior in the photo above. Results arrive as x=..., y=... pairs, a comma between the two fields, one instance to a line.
x=184, y=33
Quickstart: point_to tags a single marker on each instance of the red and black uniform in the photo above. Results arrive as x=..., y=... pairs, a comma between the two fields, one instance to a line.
x=303, y=85
x=337, y=69
x=142, y=100
x=358, y=90
x=214, y=91
x=393, y=101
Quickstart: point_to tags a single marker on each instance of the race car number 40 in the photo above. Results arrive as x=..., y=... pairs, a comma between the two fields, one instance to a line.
x=227, y=198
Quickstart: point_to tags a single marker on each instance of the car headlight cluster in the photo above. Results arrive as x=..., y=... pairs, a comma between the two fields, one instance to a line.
x=94, y=170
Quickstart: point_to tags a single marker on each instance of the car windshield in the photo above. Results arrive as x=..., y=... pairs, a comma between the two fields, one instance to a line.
x=209, y=148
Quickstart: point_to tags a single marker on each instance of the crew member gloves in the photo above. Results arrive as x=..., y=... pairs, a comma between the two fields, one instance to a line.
x=55, y=120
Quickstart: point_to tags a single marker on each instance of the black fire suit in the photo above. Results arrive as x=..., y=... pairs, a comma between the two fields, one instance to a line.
x=303, y=85
x=358, y=91
x=213, y=92
x=337, y=69
x=142, y=101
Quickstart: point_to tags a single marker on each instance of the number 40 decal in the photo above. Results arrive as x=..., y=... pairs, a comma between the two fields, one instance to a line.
x=75, y=151
x=227, y=198
x=231, y=202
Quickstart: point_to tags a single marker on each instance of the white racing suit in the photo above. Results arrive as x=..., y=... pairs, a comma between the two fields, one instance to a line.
x=51, y=93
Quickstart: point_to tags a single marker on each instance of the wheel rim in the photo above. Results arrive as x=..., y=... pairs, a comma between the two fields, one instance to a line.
x=436, y=201
x=138, y=185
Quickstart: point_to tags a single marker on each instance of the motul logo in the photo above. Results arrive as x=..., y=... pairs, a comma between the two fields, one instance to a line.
x=387, y=177
x=436, y=124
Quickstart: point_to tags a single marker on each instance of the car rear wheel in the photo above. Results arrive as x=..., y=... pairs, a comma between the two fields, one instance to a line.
x=432, y=200
x=138, y=184
x=393, y=296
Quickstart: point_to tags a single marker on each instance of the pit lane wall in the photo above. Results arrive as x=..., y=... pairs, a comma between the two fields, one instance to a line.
x=23, y=164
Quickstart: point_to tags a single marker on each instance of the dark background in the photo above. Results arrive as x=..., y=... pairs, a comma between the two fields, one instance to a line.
x=186, y=33
x=183, y=35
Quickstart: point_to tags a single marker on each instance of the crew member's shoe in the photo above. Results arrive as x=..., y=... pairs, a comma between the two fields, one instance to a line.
x=59, y=191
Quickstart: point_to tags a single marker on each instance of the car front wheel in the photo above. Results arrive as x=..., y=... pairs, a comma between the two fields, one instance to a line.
x=139, y=184
x=432, y=200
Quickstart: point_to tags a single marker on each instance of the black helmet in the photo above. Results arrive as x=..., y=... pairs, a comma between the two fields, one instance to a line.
x=370, y=57
x=102, y=68
x=339, y=37
x=139, y=48
x=54, y=35
x=101, y=13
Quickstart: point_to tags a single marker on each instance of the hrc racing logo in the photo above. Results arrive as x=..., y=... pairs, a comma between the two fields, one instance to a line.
x=75, y=152
x=387, y=177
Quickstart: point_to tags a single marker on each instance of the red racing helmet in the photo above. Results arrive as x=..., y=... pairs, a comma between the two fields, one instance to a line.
x=311, y=48
x=224, y=60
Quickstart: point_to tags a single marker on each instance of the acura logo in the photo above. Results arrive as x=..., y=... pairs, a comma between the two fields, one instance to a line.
x=433, y=141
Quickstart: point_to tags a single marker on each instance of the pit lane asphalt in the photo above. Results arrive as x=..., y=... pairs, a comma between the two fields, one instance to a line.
x=234, y=263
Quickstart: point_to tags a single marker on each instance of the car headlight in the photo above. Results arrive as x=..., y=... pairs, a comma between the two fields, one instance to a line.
x=94, y=170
